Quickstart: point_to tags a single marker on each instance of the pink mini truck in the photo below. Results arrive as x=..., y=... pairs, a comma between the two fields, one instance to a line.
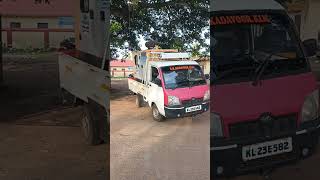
x=264, y=97
x=170, y=83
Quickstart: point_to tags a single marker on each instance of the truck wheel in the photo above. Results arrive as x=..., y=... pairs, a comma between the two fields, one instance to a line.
x=139, y=100
x=89, y=126
x=156, y=114
x=66, y=97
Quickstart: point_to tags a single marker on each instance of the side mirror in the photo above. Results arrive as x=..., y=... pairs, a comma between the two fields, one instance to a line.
x=157, y=81
x=136, y=60
x=130, y=76
x=310, y=46
x=207, y=76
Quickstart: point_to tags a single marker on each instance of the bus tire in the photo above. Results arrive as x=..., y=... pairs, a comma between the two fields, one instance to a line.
x=156, y=114
x=139, y=100
x=89, y=126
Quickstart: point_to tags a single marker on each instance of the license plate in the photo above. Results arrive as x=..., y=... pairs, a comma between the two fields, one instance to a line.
x=265, y=149
x=193, y=108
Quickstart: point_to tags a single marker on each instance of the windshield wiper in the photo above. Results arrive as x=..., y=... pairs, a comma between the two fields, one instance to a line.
x=178, y=85
x=198, y=82
x=181, y=83
x=261, y=69
x=232, y=70
x=250, y=56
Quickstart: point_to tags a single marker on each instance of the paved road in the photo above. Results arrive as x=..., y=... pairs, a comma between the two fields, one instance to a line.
x=142, y=149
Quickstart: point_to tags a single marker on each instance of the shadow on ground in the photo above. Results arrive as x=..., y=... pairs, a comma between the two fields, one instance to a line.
x=31, y=86
x=119, y=89
x=40, y=138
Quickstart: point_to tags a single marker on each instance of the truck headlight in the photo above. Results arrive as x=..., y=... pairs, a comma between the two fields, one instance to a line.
x=310, y=108
x=206, y=96
x=173, y=101
x=216, y=129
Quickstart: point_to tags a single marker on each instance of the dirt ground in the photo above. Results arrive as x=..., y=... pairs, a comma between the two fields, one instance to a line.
x=143, y=149
x=39, y=138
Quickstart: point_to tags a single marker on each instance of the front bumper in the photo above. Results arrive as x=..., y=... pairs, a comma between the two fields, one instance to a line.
x=226, y=155
x=177, y=112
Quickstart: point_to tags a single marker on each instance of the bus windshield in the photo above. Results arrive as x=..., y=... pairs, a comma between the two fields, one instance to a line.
x=240, y=43
x=182, y=76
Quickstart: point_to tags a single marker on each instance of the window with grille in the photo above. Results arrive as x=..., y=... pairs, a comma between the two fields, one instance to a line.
x=42, y=25
x=15, y=25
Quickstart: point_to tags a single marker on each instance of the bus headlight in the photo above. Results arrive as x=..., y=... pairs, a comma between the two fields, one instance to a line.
x=173, y=101
x=206, y=96
x=216, y=128
x=310, y=108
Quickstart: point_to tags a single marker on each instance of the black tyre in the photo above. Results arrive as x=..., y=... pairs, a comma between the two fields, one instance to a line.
x=66, y=97
x=89, y=125
x=139, y=100
x=156, y=114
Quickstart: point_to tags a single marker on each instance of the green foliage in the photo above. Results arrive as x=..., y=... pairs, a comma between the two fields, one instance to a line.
x=195, y=51
x=173, y=24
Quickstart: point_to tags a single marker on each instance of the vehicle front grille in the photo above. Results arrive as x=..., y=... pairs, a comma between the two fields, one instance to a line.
x=192, y=102
x=280, y=125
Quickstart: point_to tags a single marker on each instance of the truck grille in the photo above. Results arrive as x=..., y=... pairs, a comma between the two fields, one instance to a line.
x=191, y=102
x=278, y=126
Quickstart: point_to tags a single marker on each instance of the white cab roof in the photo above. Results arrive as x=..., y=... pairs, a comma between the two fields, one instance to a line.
x=234, y=5
x=160, y=64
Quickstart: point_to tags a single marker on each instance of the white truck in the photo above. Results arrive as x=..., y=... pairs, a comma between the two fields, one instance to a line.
x=84, y=72
x=170, y=83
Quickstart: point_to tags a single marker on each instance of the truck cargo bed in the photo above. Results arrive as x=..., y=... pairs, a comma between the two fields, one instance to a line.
x=136, y=86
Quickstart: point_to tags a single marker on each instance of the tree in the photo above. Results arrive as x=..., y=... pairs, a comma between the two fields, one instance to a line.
x=173, y=24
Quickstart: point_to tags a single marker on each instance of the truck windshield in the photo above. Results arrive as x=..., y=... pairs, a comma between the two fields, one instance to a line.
x=239, y=44
x=182, y=76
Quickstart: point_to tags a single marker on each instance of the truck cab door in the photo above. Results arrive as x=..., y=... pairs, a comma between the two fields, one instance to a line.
x=154, y=91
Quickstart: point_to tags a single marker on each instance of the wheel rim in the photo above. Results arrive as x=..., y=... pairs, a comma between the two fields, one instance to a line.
x=155, y=112
x=85, y=126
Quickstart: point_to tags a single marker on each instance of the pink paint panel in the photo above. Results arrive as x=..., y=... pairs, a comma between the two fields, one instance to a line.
x=186, y=93
x=242, y=101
